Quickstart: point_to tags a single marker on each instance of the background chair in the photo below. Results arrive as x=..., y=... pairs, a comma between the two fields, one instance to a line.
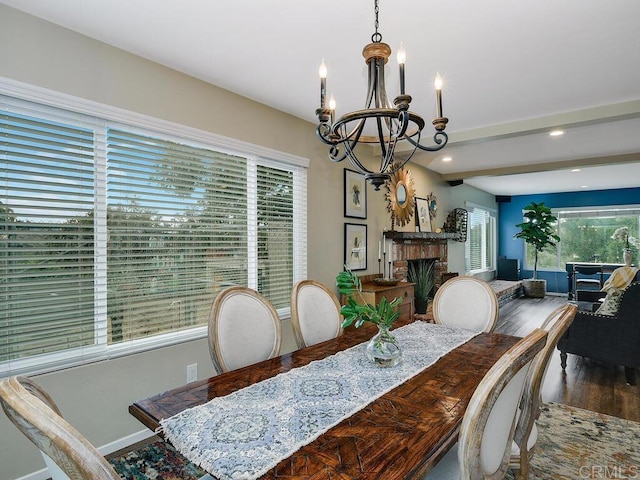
x=486, y=433
x=466, y=302
x=66, y=452
x=526, y=433
x=315, y=313
x=244, y=329
x=587, y=278
x=608, y=338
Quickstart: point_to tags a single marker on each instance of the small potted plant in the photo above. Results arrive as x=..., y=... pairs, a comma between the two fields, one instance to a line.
x=382, y=349
x=538, y=231
x=421, y=275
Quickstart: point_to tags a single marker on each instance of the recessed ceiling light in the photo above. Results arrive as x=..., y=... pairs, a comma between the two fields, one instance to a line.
x=575, y=169
x=446, y=159
x=584, y=186
x=556, y=133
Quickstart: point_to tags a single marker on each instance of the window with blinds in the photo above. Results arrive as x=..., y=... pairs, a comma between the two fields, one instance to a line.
x=115, y=238
x=480, y=248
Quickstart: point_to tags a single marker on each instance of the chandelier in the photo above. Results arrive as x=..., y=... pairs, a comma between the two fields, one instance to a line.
x=392, y=122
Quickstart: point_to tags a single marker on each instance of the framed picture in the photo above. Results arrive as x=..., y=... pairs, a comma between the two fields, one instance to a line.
x=355, y=246
x=355, y=194
x=422, y=215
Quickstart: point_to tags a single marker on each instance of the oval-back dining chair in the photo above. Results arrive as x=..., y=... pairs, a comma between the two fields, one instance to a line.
x=466, y=302
x=526, y=433
x=66, y=452
x=487, y=430
x=244, y=328
x=315, y=313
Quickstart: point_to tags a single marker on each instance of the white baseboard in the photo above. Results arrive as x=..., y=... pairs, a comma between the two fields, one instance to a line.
x=124, y=442
x=107, y=449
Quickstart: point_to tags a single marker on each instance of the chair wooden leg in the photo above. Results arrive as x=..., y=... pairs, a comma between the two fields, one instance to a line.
x=630, y=373
x=523, y=473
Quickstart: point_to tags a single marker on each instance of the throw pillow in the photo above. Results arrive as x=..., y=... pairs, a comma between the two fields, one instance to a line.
x=611, y=303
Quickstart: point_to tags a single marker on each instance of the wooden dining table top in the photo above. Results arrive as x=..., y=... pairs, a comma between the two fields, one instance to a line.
x=400, y=435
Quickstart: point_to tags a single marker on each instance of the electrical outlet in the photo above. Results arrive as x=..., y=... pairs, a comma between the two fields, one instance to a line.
x=192, y=372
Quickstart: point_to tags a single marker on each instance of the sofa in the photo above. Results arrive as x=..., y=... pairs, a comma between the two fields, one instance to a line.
x=608, y=338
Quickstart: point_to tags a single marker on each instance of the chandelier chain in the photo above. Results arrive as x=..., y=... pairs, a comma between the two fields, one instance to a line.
x=376, y=37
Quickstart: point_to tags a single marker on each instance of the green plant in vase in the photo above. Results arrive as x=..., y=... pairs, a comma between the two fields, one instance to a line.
x=382, y=349
x=421, y=274
x=538, y=230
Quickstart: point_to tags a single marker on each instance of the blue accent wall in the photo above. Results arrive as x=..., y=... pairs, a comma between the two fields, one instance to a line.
x=510, y=214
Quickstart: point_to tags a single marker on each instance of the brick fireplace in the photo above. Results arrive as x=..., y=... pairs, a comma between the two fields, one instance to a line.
x=416, y=246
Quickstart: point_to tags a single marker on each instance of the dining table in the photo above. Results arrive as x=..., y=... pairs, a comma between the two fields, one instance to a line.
x=401, y=434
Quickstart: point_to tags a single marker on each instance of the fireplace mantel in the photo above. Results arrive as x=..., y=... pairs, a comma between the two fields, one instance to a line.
x=420, y=236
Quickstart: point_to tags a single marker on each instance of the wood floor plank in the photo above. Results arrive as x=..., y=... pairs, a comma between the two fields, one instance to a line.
x=587, y=384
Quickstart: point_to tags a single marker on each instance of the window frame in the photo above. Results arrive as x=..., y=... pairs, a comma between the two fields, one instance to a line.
x=577, y=212
x=488, y=261
x=109, y=116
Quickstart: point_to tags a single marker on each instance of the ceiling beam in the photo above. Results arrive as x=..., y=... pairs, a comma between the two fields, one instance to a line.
x=544, y=167
x=579, y=118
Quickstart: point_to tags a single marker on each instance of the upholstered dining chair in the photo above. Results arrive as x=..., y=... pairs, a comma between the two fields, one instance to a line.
x=466, y=302
x=67, y=454
x=244, y=328
x=315, y=313
x=526, y=432
x=486, y=433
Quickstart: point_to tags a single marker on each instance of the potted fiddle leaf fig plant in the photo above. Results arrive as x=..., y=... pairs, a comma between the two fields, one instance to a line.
x=538, y=231
x=383, y=348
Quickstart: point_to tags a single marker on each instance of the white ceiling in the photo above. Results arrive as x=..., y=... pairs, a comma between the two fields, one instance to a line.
x=513, y=71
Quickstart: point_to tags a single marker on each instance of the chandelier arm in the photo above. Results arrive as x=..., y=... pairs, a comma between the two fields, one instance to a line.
x=354, y=159
x=348, y=145
x=381, y=141
x=440, y=139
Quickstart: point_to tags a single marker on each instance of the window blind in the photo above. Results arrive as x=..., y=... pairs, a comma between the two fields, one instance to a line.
x=46, y=232
x=115, y=238
x=480, y=245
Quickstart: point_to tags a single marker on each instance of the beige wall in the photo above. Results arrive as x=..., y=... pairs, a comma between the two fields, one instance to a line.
x=95, y=397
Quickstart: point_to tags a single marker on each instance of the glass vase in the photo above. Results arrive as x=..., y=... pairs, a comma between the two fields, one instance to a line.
x=383, y=349
x=628, y=257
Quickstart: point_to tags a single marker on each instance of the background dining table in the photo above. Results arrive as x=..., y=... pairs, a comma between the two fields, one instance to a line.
x=400, y=435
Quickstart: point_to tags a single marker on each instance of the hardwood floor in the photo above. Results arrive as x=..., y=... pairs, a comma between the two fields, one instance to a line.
x=586, y=383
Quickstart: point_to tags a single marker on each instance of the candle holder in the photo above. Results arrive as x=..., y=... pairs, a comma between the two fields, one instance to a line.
x=379, y=261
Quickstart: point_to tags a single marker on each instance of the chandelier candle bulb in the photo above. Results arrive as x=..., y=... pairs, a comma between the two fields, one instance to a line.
x=322, y=71
x=402, y=57
x=332, y=107
x=438, y=84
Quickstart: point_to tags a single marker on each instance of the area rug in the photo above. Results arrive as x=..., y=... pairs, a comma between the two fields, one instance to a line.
x=572, y=444
x=575, y=444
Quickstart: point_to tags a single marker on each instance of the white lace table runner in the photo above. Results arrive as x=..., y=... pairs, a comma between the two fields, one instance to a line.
x=246, y=433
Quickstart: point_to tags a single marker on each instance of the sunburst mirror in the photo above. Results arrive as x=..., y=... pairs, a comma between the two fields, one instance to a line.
x=401, y=197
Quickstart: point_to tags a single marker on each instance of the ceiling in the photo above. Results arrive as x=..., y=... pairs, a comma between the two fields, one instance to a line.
x=513, y=72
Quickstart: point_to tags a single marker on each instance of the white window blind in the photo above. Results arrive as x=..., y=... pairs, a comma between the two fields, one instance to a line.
x=46, y=232
x=481, y=237
x=114, y=237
